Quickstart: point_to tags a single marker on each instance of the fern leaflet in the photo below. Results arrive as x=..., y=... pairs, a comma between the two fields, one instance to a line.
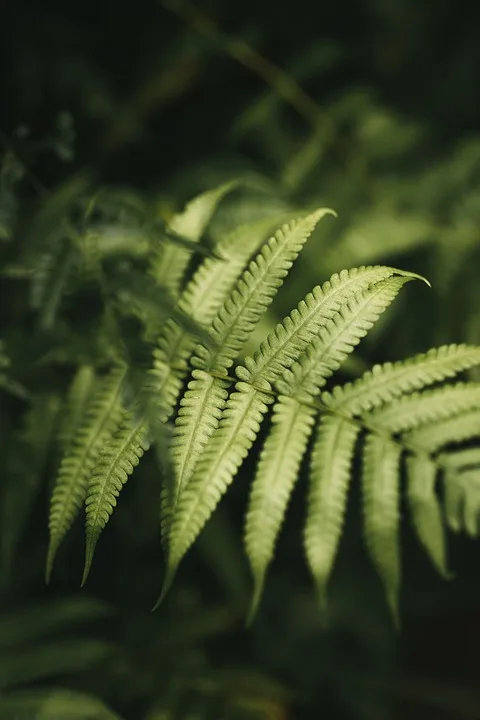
x=115, y=463
x=101, y=419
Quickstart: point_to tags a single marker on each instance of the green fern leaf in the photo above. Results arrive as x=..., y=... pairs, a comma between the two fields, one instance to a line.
x=330, y=471
x=434, y=435
x=291, y=337
x=462, y=500
x=51, y=278
x=248, y=301
x=80, y=392
x=202, y=299
x=426, y=510
x=382, y=512
x=246, y=406
x=255, y=291
x=421, y=408
x=275, y=477
x=282, y=347
x=293, y=421
x=461, y=459
x=101, y=419
x=462, y=489
x=244, y=412
x=241, y=420
x=337, y=339
x=170, y=261
x=115, y=463
x=384, y=383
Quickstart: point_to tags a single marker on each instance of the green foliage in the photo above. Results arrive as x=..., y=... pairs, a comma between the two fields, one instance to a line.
x=191, y=386
x=34, y=649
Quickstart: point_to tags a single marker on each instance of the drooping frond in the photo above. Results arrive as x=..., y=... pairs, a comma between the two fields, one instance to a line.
x=426, y=510
x=293, y=419
x=101, y=419
x=198, y=416
x=247, y=405
x=203, y=319
x=276, y=474
x=381, y=508
x=115, y=463
x=330, y=472
x=219, y=462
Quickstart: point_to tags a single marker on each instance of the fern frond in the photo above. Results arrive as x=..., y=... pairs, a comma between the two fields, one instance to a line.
x=434, y=435
x=249, y=299
x=219, y=461
x=420, y=408
x=51, y=278
x=244, y=412
x=255, y=291
x=170, y=261
x=274, y=480
x=337, y=339
x=293, y=421
x=330, y=472
x=463, y=459
x=381, y=508
x=426, y=510
x=202, y=299
x=115, y=463
x=462, y=489
x=79, y=394
x=384, y=383
x=198, y=416
x=462, y=499
x=101, y=419
x=290, y=338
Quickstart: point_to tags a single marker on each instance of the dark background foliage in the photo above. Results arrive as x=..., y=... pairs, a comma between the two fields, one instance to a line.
x=150, y=102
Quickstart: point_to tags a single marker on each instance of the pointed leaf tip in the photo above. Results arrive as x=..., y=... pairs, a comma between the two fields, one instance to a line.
x=167, y=584
x=392, y=601
x=258, y=586
x=416, y=276
x=52, y=551
x=91, y=544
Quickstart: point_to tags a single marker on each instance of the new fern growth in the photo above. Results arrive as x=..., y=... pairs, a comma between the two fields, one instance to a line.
x=211, y=401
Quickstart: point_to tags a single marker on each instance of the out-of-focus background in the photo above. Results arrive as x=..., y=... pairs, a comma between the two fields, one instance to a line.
x=371, y=108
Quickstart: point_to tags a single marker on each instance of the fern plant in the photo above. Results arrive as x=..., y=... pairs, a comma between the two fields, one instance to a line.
x=203, y=402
